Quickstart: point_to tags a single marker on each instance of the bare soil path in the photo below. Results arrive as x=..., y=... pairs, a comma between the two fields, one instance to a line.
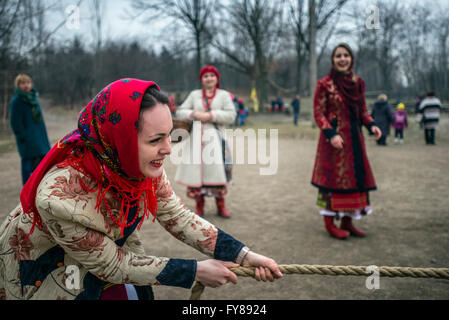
x=276, y=216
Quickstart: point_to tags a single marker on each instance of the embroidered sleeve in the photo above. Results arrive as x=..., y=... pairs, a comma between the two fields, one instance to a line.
x=320, y=106
x=226, y=114
x=191, y=229
x=77, y=229
x=134, y=244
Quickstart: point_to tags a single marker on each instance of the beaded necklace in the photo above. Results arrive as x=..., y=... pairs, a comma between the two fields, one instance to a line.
x=206, y=99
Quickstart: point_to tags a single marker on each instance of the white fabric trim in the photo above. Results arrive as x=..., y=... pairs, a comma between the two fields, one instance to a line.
x=131, y=292
x=354, y=214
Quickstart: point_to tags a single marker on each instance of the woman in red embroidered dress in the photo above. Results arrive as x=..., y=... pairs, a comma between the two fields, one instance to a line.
x=342, y=172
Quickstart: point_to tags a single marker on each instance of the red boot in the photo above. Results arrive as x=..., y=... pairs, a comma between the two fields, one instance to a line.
x=333, y=230
x=199, y=208
x=221, y=208
x=346, y=224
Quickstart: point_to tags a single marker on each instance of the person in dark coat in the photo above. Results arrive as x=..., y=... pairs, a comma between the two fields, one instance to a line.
x=383, y=116
x=296, y=105
x=273, y=105
x=27, y=123
x=280, y=104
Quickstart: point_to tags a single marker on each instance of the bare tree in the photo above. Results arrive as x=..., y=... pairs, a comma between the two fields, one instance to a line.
x=194, y=15
x=99, y=9
x=312, y=47
x=326, y=12
x=251, y=40
x=22, y=31
x=443, y=59
x=31, y=30
x=392, y=22
x=414, y=49
x=9, y=10
x=380, y=45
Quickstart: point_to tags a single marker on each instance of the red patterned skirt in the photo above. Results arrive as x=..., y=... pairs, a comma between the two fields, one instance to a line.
x=208, y=191
x=355, y=204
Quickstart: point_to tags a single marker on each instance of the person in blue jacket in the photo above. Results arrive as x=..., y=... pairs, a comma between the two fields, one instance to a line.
x=27, y=123
x=242, y=112
x=296, y=105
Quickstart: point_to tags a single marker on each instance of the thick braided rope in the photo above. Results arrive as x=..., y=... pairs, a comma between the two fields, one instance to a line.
x=438, y=273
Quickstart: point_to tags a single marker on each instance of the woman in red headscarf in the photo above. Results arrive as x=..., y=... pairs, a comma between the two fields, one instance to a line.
x=74, y=234
x=342, y=172
x=211, y=108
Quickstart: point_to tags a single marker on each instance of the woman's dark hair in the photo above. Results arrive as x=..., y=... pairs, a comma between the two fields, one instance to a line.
x=430, y=93
x=151, y=97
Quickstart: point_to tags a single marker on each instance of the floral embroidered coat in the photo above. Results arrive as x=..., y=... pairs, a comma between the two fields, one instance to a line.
x=341, y=170
x=73, y=233
x=193, y=170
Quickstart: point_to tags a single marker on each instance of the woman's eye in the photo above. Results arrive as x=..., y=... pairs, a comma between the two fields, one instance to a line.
x=155, y=140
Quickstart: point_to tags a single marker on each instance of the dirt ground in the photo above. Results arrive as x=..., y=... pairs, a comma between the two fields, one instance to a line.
x=276, y=216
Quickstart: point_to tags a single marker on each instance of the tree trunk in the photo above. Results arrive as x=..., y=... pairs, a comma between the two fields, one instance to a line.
x=262, y=88
x=298, y=68
x=5, y=99
x=261, y=77
x=198, y=53
x=313, y=57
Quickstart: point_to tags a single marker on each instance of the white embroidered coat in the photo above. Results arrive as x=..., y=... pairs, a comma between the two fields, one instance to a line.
x=202, y=160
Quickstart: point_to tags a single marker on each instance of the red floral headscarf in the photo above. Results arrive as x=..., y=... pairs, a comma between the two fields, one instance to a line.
x=104, y=147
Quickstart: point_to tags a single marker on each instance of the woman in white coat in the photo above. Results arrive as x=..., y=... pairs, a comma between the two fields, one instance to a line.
x=203, y=168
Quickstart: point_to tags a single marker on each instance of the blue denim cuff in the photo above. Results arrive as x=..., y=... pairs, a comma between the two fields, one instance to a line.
x=178, y=273
x=227, y=248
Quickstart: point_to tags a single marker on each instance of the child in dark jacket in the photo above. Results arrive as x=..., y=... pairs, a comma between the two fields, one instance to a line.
x=399, y=123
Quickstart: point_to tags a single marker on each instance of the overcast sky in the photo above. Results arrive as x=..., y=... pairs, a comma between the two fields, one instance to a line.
x=116, y=22
x=118, y=26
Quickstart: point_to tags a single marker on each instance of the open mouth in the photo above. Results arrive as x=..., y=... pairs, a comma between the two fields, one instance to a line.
x=157, y=163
